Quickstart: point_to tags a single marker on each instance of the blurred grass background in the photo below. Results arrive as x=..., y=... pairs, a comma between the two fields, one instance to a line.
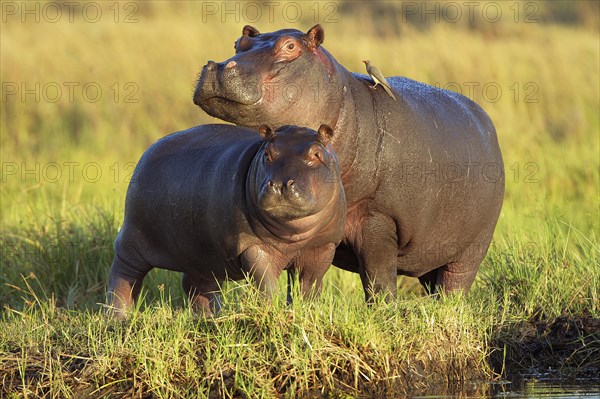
x=58, y=223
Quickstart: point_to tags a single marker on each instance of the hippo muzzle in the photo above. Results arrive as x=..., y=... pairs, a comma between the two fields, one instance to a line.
x=286, y=199
x=220, y=84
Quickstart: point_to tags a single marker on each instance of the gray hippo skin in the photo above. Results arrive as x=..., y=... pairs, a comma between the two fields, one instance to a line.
x=423, y=175
x=217, y=202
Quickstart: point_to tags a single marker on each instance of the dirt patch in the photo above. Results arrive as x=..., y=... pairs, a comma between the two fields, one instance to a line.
x=561, y=347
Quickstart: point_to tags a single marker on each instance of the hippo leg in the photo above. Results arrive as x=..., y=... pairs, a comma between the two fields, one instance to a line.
x=378, y=257
x=451, y=277
x=262, y=266
x=203, y=294
x=124, y=284
x=312, y=266
x=458, y=275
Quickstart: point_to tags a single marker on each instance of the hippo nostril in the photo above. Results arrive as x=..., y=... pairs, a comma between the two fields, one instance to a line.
x=230, y=64
x=270, y=183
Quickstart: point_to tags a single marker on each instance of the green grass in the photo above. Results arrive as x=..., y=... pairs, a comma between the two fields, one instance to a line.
x=250, y=348
x=539, y=282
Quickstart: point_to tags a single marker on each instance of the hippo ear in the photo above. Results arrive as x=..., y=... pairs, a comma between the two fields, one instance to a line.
x=325, y=134
x=266, y=132
x=250, y=31
x=316, y=35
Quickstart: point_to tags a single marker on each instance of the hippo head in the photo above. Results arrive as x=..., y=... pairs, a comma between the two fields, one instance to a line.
x=295, y=172
x=280, y=78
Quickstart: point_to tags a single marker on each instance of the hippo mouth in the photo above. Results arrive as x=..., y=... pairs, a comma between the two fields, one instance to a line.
x=230, y=110
x=286, y=212
x=219, y=100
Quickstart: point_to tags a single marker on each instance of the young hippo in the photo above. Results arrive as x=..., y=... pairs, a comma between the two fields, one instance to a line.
x=421, y=166
x=216, y=202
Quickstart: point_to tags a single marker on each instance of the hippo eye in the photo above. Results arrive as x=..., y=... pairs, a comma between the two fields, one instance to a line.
x=291, y=46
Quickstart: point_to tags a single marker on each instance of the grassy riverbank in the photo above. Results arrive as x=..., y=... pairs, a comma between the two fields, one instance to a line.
x=535, y=304
x=529, y=318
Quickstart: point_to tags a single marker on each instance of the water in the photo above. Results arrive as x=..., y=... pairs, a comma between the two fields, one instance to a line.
x=526, y=389
x=550, y=389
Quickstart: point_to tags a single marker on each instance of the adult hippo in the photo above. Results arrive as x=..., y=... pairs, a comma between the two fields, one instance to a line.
x=423, y=175
x=217, y=202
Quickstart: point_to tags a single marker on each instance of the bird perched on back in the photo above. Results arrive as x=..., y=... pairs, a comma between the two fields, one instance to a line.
x=378, y=78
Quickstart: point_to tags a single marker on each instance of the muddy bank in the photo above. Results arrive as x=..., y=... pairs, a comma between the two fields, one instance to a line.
x=564, y=347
